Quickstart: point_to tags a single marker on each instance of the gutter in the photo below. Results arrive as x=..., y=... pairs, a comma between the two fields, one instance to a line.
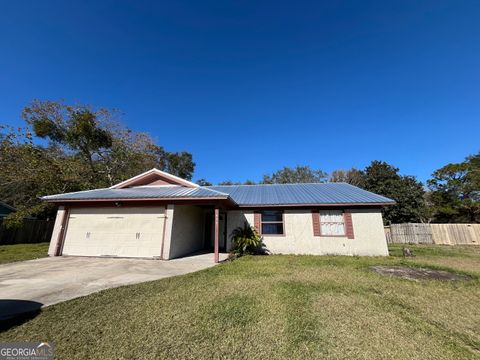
x=316, y=205
x=57, y=200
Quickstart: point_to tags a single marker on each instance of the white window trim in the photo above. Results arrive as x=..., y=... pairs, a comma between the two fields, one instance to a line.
x=342, y=213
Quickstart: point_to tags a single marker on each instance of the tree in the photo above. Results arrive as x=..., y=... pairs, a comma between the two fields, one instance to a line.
x=76, y=129
x=111, y=151
x=133, y=153
x=299, y=174
x=455, y=191
x=352, y=176
x=87, y=148
x=30, y=171
x=179, y=164
x=229, y=182
x=203, y=182
x=383, y=179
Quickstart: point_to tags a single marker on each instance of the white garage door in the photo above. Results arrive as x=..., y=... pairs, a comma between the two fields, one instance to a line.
x=127, y=232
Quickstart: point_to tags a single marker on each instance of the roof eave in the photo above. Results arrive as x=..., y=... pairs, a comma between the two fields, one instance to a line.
x=369, y=204
x=136, y=199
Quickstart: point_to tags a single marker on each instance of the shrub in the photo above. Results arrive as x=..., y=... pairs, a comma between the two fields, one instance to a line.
x=246, y=240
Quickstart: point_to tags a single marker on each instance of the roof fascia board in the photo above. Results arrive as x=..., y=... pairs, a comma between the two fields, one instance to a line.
x=252, y=206
x=188, y=201
x=140, y=199
x=174, y=178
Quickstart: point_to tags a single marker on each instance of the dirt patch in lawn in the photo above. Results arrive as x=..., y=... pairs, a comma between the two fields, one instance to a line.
x=418, y=273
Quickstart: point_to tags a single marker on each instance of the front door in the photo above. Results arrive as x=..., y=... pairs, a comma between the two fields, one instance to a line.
x=210, y=231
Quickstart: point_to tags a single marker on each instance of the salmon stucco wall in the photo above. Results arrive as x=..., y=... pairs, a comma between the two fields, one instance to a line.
x=57, y=228
x=299, y=239
x=186, y=232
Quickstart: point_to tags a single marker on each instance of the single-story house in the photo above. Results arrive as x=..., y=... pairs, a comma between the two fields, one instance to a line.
x=161, y=216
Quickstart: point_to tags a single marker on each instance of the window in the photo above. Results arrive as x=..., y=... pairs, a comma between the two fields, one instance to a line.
x=332, y=223
x=272, y=222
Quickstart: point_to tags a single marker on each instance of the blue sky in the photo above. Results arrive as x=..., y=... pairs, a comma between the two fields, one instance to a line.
x=249, y=87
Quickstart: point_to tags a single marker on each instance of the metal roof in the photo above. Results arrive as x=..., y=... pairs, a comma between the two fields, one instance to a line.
x=297, y=194
x=243, y=195
x=147, y=192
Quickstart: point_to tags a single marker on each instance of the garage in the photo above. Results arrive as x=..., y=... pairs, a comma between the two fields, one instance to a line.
x=153, y=215
x=122, y=232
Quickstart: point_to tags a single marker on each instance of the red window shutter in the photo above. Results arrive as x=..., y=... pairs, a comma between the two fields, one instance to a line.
x=316, y=223
x=257, y=219
x=347, y=216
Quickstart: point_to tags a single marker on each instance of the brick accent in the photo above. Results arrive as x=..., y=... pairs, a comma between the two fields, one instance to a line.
x=316, y=223
x=257, y=222
x=217, y=235
x=347, y=216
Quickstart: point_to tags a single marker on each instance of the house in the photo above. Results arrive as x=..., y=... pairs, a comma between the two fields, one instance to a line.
x=161, y=216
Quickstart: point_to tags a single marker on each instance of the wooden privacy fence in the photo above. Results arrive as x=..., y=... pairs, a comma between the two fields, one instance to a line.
x=456, y=234
x=31, y=231
x=447, y=234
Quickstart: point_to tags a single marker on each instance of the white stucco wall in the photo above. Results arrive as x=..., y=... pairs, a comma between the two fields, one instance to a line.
x=186, y=233
x=169, y=211
x=235, y=219
x=298, y=239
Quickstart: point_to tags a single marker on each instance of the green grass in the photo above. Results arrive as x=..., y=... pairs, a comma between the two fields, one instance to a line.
x=276, y=307
x=22, y=252
x=463, y=258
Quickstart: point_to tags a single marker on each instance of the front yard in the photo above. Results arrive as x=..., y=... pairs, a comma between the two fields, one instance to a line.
x=277, y=307
x=22, y=252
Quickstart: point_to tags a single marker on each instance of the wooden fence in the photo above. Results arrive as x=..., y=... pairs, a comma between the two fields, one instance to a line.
x=31, y=231
x=447, y=234
x=456, y=234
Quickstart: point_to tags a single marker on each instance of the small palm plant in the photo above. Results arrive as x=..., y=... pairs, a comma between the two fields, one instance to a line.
x=246, y=240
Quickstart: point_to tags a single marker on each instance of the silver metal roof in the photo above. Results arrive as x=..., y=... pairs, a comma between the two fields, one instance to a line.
x=243, y=195
x=296, y=194
x=167, y=192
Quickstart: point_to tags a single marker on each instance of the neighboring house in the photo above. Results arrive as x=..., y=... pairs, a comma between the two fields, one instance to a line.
x=5, y=209
x=158, y=215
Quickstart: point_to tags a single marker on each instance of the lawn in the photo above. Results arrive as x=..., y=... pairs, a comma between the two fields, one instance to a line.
x=22, y=252
x=277, y=307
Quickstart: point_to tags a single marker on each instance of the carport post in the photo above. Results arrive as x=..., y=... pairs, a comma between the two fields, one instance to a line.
x=215, y=245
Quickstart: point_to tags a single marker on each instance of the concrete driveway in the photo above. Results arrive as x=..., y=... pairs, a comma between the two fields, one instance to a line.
x=28, y=285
